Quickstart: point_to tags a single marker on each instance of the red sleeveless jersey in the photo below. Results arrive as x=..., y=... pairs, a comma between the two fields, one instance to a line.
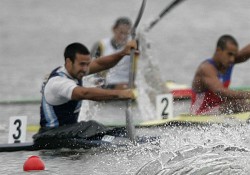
x=208, y=102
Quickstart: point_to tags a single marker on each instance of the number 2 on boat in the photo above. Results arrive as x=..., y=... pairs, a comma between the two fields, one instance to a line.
x=164, y=106
x=17, y=129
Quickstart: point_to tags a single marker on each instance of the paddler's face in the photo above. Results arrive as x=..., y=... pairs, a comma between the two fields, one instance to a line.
x=228, y=55
x=121, y=34
x=80, y=67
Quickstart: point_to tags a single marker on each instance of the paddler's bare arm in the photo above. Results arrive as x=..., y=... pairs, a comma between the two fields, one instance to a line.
x=107, y=62
x=211, y=82
x=98, y=94
x=243, y=55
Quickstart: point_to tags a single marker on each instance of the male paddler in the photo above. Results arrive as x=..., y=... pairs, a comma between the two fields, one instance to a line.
x=63, y=92
x=212, y=78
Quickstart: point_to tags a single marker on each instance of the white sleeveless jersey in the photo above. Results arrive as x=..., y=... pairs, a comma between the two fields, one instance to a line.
x=120, y=72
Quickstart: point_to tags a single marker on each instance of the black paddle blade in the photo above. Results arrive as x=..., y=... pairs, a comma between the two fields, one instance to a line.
x=165, y=11
x=138, y=18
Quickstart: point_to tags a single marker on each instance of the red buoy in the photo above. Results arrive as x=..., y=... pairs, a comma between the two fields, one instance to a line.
x=33, y=163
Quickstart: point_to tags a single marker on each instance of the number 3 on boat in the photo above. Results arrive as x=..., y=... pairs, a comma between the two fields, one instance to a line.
x=17, y=129
x=164, y=106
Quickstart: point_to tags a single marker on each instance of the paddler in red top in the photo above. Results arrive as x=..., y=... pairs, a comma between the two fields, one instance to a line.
x=210, y=93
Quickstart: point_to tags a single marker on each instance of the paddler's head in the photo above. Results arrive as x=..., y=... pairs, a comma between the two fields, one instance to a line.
x=121, y=31
x=226, y=50
x=77, y=60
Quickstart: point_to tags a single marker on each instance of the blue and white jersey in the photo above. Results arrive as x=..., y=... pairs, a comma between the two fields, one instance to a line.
x=57, y=108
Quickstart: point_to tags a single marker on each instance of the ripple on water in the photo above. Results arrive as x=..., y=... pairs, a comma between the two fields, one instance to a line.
x=202, y=150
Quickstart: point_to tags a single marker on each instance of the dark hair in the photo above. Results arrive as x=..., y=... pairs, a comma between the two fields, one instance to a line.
x=122, y=20
x=224, y=39
x=74, y=48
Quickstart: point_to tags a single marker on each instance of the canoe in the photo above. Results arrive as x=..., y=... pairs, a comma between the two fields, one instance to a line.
x=107, y=141
x=187, y=119
x=20, y=101
x=179, y=91
x=183, y=91
x=111, y=141
x=182, y=119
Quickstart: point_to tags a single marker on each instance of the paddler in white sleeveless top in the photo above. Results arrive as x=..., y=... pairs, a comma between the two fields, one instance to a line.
x=118, y=76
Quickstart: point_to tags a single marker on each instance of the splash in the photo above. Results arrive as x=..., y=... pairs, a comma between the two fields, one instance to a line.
x=214, y=149
x=148, y=82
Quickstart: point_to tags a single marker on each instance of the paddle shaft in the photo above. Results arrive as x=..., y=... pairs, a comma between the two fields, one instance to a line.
x=164, y=12
x=129, y=120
